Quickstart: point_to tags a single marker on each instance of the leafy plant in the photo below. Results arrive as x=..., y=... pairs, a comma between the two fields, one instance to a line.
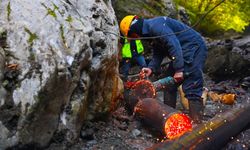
x=230, y=15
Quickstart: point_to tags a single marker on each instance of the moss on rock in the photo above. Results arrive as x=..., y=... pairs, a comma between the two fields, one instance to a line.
x=32, y=36
x=8, y=11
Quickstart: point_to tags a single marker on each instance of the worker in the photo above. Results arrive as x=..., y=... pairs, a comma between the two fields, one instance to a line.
x=184, y=46
x=131, y=50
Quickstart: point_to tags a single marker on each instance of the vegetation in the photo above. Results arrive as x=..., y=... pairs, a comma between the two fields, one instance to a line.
x=8, y=11
x=69, y=19
x=62, y=34
x=32, y=37
x=50, y=11
x=230, y=15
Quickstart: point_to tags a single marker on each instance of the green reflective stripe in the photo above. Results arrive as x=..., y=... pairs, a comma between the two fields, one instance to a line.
x=126, y=52
x=139, y=46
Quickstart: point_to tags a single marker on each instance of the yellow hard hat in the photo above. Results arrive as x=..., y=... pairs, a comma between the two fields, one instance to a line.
x=125, y=24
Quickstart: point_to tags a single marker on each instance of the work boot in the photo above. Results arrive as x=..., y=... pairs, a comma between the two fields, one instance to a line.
x=170, y=96
x=196, y=110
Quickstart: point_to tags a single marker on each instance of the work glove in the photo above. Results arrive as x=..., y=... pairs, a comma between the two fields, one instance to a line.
x=178, y=77
x=147, y=71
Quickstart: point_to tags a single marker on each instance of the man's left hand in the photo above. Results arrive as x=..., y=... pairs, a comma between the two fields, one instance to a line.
x=178, y=77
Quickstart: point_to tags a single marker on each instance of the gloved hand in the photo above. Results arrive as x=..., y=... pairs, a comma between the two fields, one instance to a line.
x=178, y=77
x=147, y=71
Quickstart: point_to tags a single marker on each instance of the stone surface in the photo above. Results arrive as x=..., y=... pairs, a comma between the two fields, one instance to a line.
x=228, y=58
x=66, y=66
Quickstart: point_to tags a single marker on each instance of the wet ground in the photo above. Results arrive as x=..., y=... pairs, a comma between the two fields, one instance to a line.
x=122, y=132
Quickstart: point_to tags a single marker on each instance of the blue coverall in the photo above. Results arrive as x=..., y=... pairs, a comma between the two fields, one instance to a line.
x=186, y=48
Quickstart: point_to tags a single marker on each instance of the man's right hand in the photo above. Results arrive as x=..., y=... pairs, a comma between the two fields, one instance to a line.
x=147, y=71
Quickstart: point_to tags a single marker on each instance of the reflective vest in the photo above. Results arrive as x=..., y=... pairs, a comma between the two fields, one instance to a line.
x=126, y=52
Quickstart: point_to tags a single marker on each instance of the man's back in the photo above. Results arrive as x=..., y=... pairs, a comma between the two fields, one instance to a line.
x=170, y=28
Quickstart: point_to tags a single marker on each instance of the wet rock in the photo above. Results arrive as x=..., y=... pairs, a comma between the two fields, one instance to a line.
x=236, y=146
x=2, y=67
x=2, y=63
x=3, y=93
x=87, y=134
x=5, y=137
x=120, y=125
x=245, y=83
x=91, y=143
x=136, y=132
x=228, y=58
x=4, y=132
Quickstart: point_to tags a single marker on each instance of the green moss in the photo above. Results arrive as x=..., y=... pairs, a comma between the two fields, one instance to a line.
x=69, y=19
x=62, y=34
x=50, y=11
x=55, y=7
x=32, y=37
x=8, y=11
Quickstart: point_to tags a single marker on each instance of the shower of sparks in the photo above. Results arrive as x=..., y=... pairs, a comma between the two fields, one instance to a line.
x=176, y=125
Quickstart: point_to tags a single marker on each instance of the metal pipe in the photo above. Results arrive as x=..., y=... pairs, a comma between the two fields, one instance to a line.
x=140, y=101
x=213, y=134
x=143, y=89
x=137, y=90
x=162, y=118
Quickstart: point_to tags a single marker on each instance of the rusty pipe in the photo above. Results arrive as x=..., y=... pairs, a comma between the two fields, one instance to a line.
x=213, y=134
x=138, y=90
x=162, y=118
x=166, y=120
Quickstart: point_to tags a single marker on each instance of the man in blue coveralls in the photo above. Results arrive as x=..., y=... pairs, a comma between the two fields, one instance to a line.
x=184, y=46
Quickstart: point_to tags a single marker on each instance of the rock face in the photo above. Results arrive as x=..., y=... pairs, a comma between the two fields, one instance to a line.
x=228, y=58
x=144, y=8
x=57, y=68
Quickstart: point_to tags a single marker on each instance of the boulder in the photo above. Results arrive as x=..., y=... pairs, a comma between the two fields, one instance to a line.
x=228, y=58
x=59, y=64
